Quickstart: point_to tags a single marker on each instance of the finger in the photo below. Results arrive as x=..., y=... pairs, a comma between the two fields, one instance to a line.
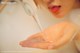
x=31, y=44
x=37, y=35
x=37, y=38
x=41, y=45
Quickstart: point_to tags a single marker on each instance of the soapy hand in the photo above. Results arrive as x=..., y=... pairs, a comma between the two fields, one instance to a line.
x=52, y=37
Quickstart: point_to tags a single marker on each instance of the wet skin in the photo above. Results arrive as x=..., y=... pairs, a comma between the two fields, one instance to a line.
x=51, y=38
x=57, y=35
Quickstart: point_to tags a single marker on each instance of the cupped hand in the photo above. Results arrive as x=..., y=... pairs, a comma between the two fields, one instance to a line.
x=52, y=37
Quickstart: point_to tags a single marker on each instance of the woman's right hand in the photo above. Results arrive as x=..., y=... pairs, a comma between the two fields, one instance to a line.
x=51, y=38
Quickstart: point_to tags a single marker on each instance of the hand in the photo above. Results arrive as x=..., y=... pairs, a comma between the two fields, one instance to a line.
x=51, y=38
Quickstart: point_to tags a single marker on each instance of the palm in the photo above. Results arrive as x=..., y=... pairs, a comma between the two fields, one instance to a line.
x=52, y=37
